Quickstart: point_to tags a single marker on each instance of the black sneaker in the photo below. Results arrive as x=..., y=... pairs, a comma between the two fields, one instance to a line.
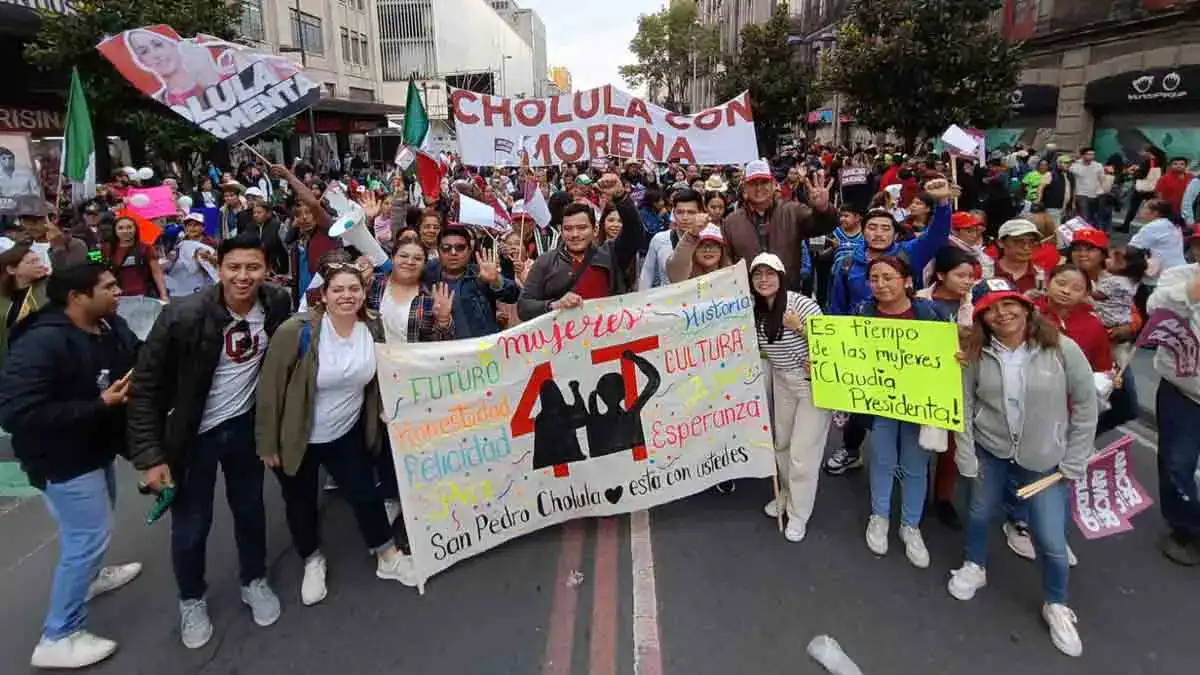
x=842, y=461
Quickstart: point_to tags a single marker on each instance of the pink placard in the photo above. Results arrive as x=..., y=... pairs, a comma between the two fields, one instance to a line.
x=161, y=202
x=1109, y=496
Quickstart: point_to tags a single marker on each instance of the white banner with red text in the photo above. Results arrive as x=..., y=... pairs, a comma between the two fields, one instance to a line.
x=617, y=406
x=596, y=123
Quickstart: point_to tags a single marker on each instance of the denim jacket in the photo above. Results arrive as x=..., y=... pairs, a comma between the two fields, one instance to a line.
x=474, y=301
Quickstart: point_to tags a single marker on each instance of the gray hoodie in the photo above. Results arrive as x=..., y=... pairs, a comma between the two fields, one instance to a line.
x=1059, y=412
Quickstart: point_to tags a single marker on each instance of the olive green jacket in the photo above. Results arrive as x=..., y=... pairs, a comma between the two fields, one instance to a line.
x=35, y=299
x=287, y=392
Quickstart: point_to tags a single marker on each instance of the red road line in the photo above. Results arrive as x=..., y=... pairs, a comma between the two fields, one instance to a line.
x=560, y=635
x=603, y=657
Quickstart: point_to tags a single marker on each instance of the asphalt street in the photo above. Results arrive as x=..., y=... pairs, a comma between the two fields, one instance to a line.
x=724, y=593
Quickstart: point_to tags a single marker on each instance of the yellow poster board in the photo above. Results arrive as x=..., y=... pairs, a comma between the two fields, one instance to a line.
x=896, y=368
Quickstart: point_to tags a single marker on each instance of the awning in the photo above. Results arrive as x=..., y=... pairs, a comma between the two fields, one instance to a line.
x=345, y=106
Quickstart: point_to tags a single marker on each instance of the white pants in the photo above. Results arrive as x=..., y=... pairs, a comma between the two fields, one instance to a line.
x=801, y=430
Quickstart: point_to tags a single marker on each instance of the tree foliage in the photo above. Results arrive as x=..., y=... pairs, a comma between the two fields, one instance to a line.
x=918, y=66
x=66, y=40
x=778, y=82
x=672, y=49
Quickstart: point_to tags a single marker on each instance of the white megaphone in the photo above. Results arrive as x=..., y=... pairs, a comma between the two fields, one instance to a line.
x=351, y=226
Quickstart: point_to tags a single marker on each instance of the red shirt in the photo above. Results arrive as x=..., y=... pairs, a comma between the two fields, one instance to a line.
x=593, y=282
x=1084, y=327
x=1171, y=187
x=906, y=314
x=1027, y=282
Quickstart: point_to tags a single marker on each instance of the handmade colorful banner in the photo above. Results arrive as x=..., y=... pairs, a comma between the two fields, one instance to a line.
x=229, y=90
x=620, y=405
x=896, y=368
x=1106, y=500
x=597, y=123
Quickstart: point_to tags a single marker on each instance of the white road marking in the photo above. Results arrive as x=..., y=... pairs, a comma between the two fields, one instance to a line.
x=647, y=653
x=1141, y=434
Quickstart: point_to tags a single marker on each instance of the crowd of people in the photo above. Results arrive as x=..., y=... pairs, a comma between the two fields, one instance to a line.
x=262, y=359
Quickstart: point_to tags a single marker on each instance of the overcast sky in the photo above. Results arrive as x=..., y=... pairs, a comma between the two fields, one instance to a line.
x=591, y=37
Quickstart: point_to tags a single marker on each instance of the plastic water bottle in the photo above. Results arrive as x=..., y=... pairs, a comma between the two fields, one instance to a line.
x=827, y=652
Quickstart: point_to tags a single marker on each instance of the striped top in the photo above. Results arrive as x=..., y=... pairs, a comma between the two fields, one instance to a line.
x=790, y=351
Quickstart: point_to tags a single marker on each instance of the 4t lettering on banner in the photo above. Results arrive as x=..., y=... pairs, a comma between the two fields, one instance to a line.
x=622, y=404
x=1109, y=496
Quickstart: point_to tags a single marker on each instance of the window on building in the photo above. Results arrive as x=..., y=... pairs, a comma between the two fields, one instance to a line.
x=252, y=20
x=346, y=45
x=361, y=94
x=362, y=40
x=330, y=89
x=362, y=5
x=306, y=32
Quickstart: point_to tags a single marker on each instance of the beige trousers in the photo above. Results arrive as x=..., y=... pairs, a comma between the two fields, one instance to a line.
x=801, y=430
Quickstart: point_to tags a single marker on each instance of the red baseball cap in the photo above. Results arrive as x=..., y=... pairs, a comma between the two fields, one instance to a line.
x=962, y=220
x=990, y=291
x=1090, y=236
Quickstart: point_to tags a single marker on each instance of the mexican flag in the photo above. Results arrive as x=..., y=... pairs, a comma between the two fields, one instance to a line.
x=430, y=169
x=79, y=148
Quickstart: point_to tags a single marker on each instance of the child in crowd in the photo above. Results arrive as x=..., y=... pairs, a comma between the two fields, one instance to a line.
x=1113, y=294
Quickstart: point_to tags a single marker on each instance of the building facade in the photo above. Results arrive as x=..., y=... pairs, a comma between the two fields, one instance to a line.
x=730, y=17
x=531, y=29
x=1114, y=74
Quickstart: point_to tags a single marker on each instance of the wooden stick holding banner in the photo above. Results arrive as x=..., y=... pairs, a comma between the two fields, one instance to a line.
x=257, y=153
x=1042, y=484
x=778, y=504
x=954, y=176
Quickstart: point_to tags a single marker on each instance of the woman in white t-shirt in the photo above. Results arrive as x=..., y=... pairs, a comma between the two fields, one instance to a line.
x=319, y=405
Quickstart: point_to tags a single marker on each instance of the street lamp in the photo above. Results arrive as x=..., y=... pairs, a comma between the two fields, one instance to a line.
x=821, y=44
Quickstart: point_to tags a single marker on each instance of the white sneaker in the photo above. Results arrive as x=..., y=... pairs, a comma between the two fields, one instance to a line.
x=877, y=535
x=112, y=578
x=1018, y=539
x=392, y=507
x=399, y=568
x=312, y=588
x=1063, y=633
x=795, y=531
x=195, y=628
x=262, y=601
x=1071, y=559
x=772, y=508
x=914, y=546
x=966, y=580
x=77, y=650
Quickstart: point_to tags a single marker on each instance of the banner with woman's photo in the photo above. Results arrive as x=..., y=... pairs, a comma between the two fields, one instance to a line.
x=229, y=90
x=616, y=406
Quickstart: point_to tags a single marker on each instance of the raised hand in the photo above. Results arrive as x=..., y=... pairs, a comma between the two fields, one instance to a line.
x=610, y=186
x=818, y=192
x=942, y=190
x=443, y=303
x=370, y=204
x=489, y=266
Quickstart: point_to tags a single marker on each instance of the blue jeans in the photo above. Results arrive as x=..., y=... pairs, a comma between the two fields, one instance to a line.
x=231, y=446
x=894, y=453
x=82, y=507
x=1047, y=518
x=1178, y=454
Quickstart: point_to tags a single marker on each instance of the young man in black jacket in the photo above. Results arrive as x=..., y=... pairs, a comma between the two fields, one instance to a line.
x=62, y=396
x=191, y=409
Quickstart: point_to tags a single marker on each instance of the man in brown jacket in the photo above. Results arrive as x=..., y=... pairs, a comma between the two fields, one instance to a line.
x=765, y=223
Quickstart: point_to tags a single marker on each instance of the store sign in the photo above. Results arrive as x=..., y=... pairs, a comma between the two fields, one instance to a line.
x=1146, y=86
x=33, y=120
x=1034, y=99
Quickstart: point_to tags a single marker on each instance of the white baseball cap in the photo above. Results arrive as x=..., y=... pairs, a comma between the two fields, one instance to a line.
x=757, y=170
x=255, y=192
x=1017, y=227
x=196, y=217
x=711, y=233
x=770, y=260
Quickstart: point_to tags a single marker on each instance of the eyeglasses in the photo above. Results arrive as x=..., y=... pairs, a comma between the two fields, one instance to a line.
x=453, y=248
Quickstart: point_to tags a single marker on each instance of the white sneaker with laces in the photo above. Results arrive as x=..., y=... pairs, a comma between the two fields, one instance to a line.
x=772, y=508
x=392, y=507
x=966, y=580
x=77, y=650
x=262, y=601
x=1063, y=632
x=195, y=628
x=312, y=588
x=914, y=546
x=113, y=577
x=1019, y=541
x=795, y=531
x=398, y=568
x=877, y=535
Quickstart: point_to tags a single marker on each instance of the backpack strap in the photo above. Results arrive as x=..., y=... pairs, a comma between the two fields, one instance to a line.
x=305, y=339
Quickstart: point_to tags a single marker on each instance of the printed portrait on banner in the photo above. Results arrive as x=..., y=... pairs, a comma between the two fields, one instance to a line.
x=20, y=191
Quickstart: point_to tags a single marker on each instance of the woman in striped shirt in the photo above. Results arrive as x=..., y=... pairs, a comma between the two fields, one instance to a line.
x=800, y=427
